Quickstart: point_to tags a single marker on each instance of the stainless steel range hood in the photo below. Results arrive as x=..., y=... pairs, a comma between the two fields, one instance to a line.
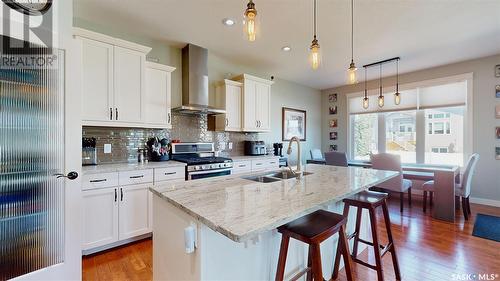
x=195, y=82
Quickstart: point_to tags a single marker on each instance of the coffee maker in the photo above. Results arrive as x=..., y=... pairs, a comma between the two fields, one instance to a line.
x=278, y=149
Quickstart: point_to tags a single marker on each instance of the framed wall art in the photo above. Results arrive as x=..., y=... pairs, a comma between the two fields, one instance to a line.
x=293, y=124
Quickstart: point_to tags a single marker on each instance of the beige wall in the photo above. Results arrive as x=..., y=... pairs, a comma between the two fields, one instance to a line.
x=486, y=183
x=284, y=93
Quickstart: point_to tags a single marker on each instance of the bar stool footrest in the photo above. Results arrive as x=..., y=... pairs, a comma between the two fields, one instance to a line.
x=364, y=263
x=385, y=249
x=300, y=274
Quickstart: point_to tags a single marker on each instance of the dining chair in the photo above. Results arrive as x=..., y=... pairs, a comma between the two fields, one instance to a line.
x=316, y=154
x=462, y=189
x=334, y=158
x=391, y=162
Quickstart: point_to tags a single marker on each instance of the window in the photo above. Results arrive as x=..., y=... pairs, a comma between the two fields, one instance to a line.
x=431, y=125
x=365, y=127
x=403, y=141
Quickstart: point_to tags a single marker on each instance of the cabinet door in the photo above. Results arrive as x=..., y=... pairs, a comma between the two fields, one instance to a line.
x=128, y=85
x=263, y=109
x=97, y=80
x=155, y=98
x=100, y=217
x=233, y=108
x=250, y=105
x=134, y=211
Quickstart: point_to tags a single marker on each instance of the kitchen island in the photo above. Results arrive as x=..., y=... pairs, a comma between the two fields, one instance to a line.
x=235, y=220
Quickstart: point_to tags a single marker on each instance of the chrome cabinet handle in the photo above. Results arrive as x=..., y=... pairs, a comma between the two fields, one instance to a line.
x=116, y=113
x=121, y=194
x=171, y=173
x=110, y=113
x=136, y=177
x=168, y=121
x=257, y=123
x=95, y=181
x=116, y=195
x=227, y=122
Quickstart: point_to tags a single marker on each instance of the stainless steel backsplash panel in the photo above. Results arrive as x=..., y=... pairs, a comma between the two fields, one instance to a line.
x=188, y=128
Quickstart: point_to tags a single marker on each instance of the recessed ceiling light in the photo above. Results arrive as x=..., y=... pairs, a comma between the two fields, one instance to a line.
x=286, y=49
x=228, y=22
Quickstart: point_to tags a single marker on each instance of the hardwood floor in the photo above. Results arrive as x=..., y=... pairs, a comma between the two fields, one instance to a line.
x=427, y=249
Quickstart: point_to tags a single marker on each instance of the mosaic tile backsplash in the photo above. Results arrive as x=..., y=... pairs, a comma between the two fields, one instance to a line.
x=125, y=142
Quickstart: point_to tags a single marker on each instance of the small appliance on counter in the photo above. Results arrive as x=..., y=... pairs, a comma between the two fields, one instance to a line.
x=158, y=150
x=278, y=149
x=254, y=148
x=89, y=152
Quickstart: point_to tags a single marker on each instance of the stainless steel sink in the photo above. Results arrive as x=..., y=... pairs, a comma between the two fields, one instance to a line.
x=275, y=176
x=287, y=175
x=263, y=179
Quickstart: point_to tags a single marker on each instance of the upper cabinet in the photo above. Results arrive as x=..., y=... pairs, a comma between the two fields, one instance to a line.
x=114, y=81
x=256, y=110
x=158, y=95
x=228, y=96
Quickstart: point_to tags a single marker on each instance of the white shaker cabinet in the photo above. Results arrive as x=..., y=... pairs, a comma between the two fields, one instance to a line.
x=228, y=96
x=134, y=211
x=158, y=95
x=100, y=217
x=256, y=103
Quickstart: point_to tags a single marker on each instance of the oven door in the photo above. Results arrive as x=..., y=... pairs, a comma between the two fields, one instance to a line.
x=208, y=174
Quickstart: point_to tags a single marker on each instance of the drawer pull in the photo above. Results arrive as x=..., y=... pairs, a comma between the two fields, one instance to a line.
x=137, y=177
x=95, y=181
x=258, y=164
x=171, y=173
x=242, y=165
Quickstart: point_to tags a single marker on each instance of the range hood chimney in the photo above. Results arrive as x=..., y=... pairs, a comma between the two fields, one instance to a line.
x=195, y=82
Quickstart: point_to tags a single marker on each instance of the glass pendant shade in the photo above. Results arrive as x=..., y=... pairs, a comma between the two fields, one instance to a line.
x=315, y=55
x=351, y=74
x=397, y=98
x=381, y=101
x=250, y=23
x=366, y=103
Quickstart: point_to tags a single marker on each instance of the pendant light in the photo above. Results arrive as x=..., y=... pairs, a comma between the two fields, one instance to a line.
x=366, y=101
x=351, y=71
x=315, y=56
x=250, y=23
x=397, y=95
x=381, y=96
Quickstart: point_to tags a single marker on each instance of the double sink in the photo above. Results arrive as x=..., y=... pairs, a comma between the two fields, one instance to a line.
x=275, y=176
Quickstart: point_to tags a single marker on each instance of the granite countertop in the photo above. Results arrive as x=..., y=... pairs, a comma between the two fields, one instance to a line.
x=241, y=209
x=121, y=167
x=248, y=157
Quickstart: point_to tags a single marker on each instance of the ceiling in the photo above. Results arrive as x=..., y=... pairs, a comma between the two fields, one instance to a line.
x=424, y=33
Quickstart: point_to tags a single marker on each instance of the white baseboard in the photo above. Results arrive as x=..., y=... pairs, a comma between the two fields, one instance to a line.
x=489, y=202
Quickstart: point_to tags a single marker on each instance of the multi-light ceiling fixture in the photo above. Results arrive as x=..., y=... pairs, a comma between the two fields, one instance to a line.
x=250, y=22
x=351, y=71
x=315, y=55
x=381, y=99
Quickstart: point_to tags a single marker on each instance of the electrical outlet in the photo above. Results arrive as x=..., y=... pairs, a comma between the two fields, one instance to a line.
x=230, y=146
x=107, y=148
x=222, y=145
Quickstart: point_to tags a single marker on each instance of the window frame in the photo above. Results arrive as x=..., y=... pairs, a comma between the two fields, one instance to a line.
x=421, y=128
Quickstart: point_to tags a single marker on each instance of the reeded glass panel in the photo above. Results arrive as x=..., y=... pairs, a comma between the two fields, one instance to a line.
x=31, y=152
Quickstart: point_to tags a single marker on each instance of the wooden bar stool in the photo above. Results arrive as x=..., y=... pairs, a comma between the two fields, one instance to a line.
x=313, y=229
x=370, y=200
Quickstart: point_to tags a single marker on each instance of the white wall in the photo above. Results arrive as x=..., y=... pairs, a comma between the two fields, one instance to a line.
x=486, y=182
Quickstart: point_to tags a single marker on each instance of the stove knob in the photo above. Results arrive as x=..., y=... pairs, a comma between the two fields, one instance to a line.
x=197, y=167
x=215, y=166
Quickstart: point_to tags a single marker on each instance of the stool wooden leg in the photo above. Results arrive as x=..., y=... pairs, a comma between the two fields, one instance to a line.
x=425, y=201
x=401, y=199
x=316, y=263
x=431, y=195
x=309, y=276
x=336, y=264
x=376, y=246
x=464, y=208
x=457, y=203
x=280, y=272
x=344, y=245
x=357, y=229
x=409, y=196
x=387, y=221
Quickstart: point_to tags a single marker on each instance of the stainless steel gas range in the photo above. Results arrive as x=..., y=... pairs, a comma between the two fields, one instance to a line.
x=201, y=160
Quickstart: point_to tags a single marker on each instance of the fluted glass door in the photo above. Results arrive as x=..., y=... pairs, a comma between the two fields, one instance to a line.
x=31, y=156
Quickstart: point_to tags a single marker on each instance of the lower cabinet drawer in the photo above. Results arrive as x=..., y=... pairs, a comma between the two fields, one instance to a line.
x=241, y=167
x=173, y=173
x=258, y=165
x=103, y=180
x=136, y=177
x=273, y=164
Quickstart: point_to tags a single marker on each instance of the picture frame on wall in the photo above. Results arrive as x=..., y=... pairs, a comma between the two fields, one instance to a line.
x=497, y=133
x=332, y=97
x=293, y=124
x=333, y=109
x=333, y=123
x=497, y=91
x=333, y=135
x=497, y=153
x=497, y=111
x=333, y=147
